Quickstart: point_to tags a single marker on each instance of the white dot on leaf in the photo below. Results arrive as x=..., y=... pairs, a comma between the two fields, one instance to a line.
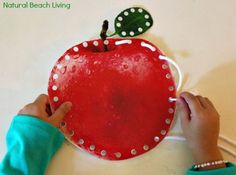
x=118, y=24
x=131, y=33
x=123, y=33
x=140, y=10
x=147, y=24
x=132, y=10
x=140, y=29
x=126, y=13
x=146, y=16
x=120, y=18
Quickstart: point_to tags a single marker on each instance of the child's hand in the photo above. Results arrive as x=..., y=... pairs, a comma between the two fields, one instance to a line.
x=40, y=108
x=200, y=124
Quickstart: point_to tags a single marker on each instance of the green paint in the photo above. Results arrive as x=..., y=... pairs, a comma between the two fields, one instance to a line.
x=132, y=21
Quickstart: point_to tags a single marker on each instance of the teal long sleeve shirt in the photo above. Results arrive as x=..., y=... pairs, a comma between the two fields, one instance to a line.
x=31, y=144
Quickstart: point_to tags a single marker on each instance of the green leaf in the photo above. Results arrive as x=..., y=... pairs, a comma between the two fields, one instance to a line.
x=132, y=22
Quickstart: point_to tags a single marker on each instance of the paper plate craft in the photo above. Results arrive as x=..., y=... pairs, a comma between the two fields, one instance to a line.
x=122, y=90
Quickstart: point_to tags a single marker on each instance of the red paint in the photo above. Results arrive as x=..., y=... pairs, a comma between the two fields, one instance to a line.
x=120, y=97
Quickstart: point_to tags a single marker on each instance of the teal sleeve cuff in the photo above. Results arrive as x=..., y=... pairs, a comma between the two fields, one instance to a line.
x=229, y=170
x=31, y=144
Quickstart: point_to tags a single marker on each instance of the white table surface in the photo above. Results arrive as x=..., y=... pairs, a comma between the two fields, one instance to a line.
x=198, y=34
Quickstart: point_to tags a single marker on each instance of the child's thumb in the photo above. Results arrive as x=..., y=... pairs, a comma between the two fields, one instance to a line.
x=60, y=113
x=183, y=112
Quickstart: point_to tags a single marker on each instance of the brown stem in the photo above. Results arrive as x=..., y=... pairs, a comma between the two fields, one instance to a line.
x=103, y=33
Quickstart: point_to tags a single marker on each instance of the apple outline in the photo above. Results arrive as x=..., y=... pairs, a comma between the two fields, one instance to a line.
x=74, y=52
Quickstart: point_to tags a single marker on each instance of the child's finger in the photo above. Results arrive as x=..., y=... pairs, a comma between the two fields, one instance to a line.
x=203, y=101
x=192, y=101
x=209, y=102
x=60, y=113
x=183, y=112
x=42, y=100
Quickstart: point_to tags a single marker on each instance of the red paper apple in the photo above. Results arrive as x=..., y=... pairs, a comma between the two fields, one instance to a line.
x=120, y=97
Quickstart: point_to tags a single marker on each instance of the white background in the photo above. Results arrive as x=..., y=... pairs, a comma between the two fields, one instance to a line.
x=198, y=34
